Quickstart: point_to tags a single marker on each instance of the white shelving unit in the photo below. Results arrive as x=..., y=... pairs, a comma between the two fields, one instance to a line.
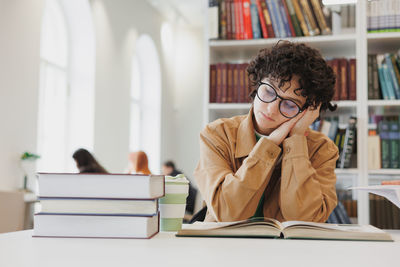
x=357, y=45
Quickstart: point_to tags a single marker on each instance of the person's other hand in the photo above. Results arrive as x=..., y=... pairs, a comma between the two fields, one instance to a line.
x=280, y=133
x=304, y=123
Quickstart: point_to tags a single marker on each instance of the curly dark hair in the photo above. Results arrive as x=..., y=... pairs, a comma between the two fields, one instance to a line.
x=286, y=59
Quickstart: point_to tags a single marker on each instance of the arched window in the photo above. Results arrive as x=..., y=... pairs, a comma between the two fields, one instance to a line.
x=66, y=93
x=145, y=118
x=53, y=92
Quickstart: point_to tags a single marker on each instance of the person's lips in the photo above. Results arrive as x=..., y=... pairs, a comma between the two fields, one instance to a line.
x=267, y=117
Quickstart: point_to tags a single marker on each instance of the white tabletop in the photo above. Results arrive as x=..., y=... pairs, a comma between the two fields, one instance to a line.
x=20, y=249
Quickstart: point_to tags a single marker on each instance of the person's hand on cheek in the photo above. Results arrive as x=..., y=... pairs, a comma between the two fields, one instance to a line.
x=280, y=133
x=310, y=115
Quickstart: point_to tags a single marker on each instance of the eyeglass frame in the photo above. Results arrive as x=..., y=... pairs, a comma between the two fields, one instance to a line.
x=281, y=98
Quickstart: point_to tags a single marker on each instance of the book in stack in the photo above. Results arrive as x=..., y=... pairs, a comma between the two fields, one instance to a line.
x=98, y=205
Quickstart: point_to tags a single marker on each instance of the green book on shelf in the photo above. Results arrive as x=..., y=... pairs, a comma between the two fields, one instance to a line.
x=271, y=228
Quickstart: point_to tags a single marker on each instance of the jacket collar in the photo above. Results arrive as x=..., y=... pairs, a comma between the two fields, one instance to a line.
x=246, y=138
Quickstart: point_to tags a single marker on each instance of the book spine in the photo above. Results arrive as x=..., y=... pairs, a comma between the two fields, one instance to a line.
x=228, y=19
x=281, y=25
x=323, y=25
x=392, y=74
x=275, y=24
x=241, y=19
x=237, y=19
x=224, y=85
x=213, y=83
x=336, y=70
x=233, y=18
x=370, y=78
x=349, y=140
x=286, y=19
x=241, y=97
x=222, y=20
x=385, y=144
x=381, y=75
x=218, y=94
x=309, y=16
x=352, y=80
x=212, y=19
x=388, y=80
x=295, y=20
x=236, y=85
x=267, y=16
x=343, y=64
x=301, y=18
x=394, y=136
x=375, y=79
x=262, y=19
x=229, y=89
x=255, y=23
x=247, y=19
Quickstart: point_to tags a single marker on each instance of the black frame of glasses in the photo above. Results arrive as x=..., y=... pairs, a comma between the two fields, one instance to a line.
x=281, y=98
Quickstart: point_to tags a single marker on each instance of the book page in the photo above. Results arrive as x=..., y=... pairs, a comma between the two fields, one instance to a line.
x=391, y=192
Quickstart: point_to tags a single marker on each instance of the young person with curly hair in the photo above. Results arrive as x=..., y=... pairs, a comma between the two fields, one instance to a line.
x=269, y=163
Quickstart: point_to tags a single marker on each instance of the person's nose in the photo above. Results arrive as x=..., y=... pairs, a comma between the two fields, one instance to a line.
x=273, y=108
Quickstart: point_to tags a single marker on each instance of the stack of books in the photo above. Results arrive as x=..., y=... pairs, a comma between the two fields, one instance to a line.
x=98, y=205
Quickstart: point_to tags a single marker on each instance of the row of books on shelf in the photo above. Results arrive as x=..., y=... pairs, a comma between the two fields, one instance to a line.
x=384, y=142
x=384, y=76
x=346, y=198
x=344, y=136
x=229, y=83
x=98, y=205
x=383, y=15
x=346, y=82
x=383, y=213
x=254, y=19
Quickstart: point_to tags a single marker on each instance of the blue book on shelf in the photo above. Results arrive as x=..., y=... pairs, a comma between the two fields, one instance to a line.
x=388, y=81
x=385, y=95
x=284, y=18
x=275, y=24
x=255, y=21
x=393, y=79
x=281, y=27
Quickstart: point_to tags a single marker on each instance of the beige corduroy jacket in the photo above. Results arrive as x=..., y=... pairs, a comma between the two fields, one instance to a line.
x=234, y=171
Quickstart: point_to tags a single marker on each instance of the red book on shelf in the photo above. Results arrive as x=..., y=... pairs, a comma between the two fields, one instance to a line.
x=241, y=19
x=352, y=80
x=343, y=66
x=262, y=19
x=218, y=93
x=229, y=88
x=270, y=29
x=241, y=90
x=236, y=85
x=224, y=84
x=248, y=30
x=233, y=19
x=213, y=83
x=335, y=67
x=246, y=84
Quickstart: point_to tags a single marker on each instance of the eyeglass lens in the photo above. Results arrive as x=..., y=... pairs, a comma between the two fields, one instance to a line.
x=287, y=107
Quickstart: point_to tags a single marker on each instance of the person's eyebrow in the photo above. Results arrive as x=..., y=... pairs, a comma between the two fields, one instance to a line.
x=279, y=89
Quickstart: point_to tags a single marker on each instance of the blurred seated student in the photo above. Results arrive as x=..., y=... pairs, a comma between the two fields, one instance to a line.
x=138, y=163
x=86, y=163
x=168, y=168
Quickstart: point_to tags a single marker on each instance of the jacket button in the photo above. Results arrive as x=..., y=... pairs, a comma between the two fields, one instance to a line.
x=288, y=150
x=271, y=154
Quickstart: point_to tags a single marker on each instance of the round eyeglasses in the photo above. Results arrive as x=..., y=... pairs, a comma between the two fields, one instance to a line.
x=267, y=94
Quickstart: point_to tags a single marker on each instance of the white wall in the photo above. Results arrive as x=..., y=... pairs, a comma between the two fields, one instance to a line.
x=185, y=102
x=117, y=24
x=20, y=24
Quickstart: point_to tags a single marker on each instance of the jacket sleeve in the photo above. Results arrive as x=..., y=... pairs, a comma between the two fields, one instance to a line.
x=308, y=190
x=232, y=196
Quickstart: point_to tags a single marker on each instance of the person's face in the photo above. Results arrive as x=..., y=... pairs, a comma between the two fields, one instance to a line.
x=268, y=116
x=166, y=170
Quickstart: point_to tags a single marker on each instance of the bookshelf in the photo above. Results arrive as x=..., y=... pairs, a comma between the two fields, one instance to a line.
x=348, y=45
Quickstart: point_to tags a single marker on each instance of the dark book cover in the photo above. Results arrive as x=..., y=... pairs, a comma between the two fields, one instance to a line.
x=352, y=80
x=268, y=21
x=343, y=66
x=213, y=83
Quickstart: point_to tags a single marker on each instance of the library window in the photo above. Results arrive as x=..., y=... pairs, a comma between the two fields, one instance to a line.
x=66, y=87
x=145, y=113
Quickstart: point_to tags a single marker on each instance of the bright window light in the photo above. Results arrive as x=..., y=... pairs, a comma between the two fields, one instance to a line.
x=338, y=2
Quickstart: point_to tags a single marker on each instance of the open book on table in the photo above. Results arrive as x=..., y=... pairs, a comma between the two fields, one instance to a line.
x=266, y=227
